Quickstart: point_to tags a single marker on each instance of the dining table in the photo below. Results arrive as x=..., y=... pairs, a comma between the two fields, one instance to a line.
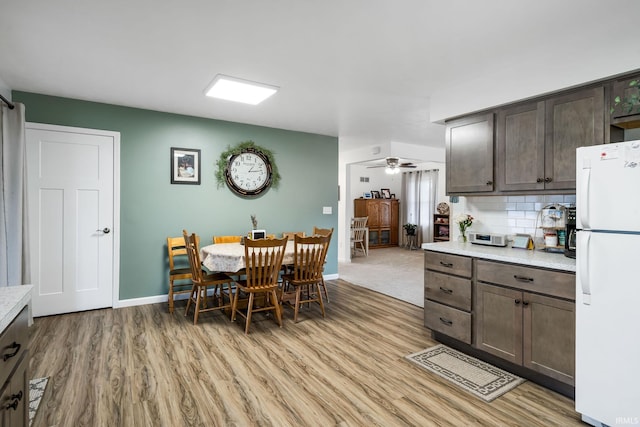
x=229, y=257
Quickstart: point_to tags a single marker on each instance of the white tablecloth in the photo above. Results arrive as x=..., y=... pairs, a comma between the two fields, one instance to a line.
x=229, y=257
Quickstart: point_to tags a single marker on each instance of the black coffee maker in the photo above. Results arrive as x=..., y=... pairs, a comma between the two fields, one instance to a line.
x=570, y=233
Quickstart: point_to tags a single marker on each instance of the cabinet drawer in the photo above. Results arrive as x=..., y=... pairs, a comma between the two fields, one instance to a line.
x=447, y=263
x=447, y=320
x=13, y=343
x=449, y=290
x=554, y=283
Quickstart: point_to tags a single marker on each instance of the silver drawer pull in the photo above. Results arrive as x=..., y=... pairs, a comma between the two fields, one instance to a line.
x=446, y=264
x=446, y=291
x=446, y=322
x=523, y=278
x=10, y=355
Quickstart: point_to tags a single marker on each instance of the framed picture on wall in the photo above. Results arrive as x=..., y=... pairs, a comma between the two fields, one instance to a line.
x=185, y=166
x=375, y=194
x=386, y=193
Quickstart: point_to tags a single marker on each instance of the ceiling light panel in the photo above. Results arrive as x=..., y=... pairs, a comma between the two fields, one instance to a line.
x=239, y=90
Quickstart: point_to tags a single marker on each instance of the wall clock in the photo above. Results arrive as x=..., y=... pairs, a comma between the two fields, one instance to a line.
x=249, y=173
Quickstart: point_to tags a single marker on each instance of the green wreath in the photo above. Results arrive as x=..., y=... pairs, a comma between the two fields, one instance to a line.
x=238, y=149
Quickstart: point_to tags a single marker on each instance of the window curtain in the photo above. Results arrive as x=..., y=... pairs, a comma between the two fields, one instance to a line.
x=14, y=242
x=419, y=203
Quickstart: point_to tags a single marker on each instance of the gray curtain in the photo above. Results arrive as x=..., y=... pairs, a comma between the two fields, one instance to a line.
x=419, y=202
x=14, y=236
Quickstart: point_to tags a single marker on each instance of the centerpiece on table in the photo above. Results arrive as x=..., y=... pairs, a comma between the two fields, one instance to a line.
x=464, y=221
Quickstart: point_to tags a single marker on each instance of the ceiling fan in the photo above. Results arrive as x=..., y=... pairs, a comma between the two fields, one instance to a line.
x=393, y=165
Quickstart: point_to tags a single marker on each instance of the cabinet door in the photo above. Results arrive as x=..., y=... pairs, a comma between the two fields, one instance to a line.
x=572, y=121
x=549, y=336
x=373, y=212
x=520, y=148
x=14, y=399
x=498, y=322
x=385, y=213
x=628, y=96
x=469, y=154
x=394, y=226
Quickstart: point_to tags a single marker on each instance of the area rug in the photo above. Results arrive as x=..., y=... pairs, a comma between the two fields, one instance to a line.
x=36, y=390
x=475, y=376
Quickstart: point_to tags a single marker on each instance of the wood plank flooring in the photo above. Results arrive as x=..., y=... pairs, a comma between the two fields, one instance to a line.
x=141, y=366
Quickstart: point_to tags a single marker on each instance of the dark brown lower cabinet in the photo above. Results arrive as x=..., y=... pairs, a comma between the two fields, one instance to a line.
x=535, y=331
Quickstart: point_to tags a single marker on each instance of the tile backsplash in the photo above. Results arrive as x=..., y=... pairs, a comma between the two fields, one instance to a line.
x=508, y=214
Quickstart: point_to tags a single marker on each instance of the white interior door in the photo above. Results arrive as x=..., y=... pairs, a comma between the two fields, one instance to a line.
x=73, y=221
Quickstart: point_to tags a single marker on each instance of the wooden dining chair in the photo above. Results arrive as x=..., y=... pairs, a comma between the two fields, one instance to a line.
x=263, y=260
x=358, y=232
x=291, y=234
x=324, y=232
x=227, y=239
x=202, y=282
x=303, y=285
x=179, y=268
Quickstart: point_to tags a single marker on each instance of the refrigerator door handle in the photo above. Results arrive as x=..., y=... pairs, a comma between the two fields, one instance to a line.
x=583, y=250
x=584, y=197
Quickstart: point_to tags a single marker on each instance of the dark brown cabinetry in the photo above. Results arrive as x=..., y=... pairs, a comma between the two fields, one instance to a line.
x=536, y=142
x=469, y=154
x=382, y=222
x=14, y=378
x=447, y=295
x=520, y=148
x=523, y=327
x=623, y=114
x=573, y=120
x=441, y=231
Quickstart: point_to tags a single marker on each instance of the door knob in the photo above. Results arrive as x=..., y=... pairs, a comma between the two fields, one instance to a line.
x=105, y=230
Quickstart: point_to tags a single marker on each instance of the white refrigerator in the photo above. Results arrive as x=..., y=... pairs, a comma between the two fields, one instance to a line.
x=607, y=377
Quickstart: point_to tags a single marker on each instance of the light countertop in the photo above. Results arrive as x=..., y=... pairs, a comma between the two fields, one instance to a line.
x=534, y=258
x=12, y=301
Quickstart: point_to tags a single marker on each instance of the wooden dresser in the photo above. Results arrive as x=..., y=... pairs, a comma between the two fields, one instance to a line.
x=383, y=220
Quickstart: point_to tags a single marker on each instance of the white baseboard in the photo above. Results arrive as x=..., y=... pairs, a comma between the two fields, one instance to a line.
x=165, y=298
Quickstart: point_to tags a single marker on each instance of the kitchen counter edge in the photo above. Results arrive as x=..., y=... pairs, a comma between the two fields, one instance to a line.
x=534, y=258
x=12, y=301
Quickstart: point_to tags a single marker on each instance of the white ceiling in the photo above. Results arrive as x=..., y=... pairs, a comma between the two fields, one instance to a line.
x=363, y=70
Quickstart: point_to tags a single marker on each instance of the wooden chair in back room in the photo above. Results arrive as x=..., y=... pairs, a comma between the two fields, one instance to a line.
x=179, y=269
x=358, y=233
x=263, y=261
x=202, y=282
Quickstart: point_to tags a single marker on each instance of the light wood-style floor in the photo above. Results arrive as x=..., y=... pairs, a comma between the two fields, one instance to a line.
x=141, y=366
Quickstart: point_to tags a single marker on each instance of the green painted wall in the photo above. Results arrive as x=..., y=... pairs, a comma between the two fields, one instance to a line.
x=151, y=208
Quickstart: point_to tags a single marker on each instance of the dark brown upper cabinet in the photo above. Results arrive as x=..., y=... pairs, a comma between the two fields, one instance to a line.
x=573, y=120
x=520, y=148
x=469, y=154
x=625, y=102
x=536, y=142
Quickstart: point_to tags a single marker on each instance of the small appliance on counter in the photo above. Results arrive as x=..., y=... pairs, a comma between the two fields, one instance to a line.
x=570, y=233
x=487, y=239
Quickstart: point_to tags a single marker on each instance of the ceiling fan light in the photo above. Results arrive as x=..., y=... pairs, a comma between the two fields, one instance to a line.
x=392, y=170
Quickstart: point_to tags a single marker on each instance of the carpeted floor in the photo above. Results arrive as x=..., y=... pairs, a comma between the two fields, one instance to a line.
x=396, y=271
